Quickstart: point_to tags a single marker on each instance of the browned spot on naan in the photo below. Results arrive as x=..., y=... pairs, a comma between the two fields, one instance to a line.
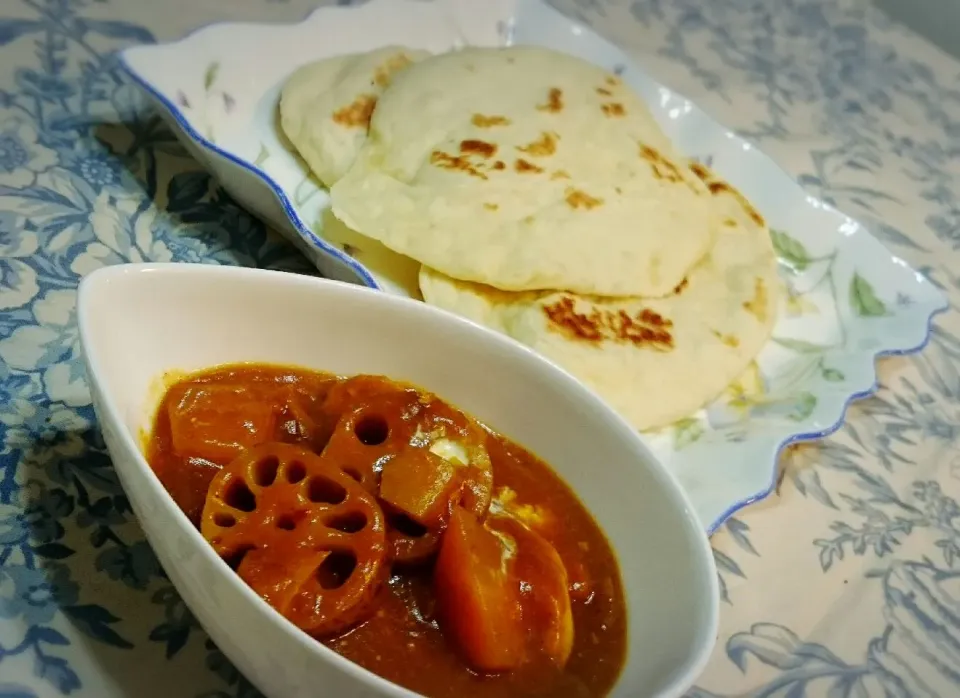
x=482, y=121
x=727, y=339
x=543, y=146
x=457, y=163
x=554, y=101
x=757, y=306
x=383, y=73
x=477, y=147
x=662, y=167
x=525, y=166
x=579, y=199
x=356, y=114
x=645, y=328
x=613, y=109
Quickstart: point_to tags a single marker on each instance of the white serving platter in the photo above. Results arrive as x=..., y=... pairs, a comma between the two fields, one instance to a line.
x=850, y=300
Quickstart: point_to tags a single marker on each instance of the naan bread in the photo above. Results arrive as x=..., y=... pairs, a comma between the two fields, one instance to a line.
x=325, y=107
x=523, y=168
x=654, y=360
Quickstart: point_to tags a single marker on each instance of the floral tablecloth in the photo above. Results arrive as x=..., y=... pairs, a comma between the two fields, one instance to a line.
x=845, y=583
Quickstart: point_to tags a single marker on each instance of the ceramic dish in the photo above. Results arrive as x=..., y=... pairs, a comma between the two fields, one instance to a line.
x=202, y=316
x=849, y=301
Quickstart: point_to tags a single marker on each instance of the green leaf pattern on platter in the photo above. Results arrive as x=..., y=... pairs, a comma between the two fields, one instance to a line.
x=687, y=431
x=800, y=346
x=864, y=300
x=262, y=156
x=832, y=375
x=790, y=250
x=210, y=75
x=804, y=406
x=306, y=190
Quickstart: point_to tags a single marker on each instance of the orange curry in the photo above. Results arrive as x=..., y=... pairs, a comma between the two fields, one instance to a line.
x=397, y=530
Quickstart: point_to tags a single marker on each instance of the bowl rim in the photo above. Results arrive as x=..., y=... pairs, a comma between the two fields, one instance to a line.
x=91, y=285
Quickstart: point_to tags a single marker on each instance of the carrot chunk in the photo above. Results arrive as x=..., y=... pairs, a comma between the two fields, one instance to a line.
x=188, y=482
x=477, y=598
x=545, y=600
x=217, y=422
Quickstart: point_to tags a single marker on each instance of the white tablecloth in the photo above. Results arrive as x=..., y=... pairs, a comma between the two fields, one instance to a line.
x=845, y=583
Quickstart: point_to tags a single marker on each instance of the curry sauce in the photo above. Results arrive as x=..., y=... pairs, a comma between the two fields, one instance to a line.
x=397, y=530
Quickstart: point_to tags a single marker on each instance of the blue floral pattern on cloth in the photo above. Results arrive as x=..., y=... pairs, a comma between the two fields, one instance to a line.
x=846, y=582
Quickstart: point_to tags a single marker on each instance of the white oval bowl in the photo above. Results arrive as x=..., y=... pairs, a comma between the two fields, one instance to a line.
x=139, y=321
